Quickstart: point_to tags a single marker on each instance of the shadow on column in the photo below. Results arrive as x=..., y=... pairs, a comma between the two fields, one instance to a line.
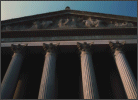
x=105, y=68
x=6, y=55
x=33, y=65
x=68, y=74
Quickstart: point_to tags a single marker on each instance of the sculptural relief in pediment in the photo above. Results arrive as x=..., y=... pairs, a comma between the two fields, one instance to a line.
x=66, y=22
x=93, y=23
x=15, y=27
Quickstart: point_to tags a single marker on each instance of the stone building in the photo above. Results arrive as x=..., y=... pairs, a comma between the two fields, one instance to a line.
x=69, y=54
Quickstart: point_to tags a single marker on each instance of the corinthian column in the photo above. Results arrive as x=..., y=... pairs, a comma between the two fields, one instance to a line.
x=47, y=86
x=10, y=79
x=126, y=74
x=88, y=76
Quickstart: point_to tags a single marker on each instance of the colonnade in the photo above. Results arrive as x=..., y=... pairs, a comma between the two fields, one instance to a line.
x=10, y=87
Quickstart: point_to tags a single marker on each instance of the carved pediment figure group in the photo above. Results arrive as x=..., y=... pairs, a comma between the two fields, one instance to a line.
x=14, y=27
x=40, y=25
x=123, y=24
x=75, y=22
x=67, y=22
x=92, y=22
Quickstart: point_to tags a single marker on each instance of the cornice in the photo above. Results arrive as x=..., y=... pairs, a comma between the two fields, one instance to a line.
x=70, y=32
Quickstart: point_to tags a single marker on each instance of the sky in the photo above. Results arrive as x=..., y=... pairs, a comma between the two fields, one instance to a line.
x=16, y=9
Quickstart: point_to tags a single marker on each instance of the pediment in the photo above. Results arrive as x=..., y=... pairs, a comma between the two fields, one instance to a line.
x=67, y=20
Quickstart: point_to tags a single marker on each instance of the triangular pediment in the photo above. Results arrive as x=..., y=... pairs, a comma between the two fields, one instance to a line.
x=68, y=19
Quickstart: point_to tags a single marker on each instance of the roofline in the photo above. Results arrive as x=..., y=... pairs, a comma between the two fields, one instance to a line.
x=55, y=13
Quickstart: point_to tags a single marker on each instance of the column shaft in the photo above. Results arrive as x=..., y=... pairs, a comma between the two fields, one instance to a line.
x=126, y=74
x=21, y=87
x=117, y=86
x=88, y=77
x=11, y=77
x=47, y=85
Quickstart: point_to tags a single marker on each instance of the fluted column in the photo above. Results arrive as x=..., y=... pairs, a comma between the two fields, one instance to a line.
x=47, y=86
x=88, y=76
x=10, y=79
x=117, y=86
x=126, y=74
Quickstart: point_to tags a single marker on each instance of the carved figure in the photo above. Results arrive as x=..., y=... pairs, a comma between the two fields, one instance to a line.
x=8, y=28
x=24, y=27
x=79, y=22
x=63, y=22
x=36, y=25
x=124, y=24
x=73, y=22
x=111, y=24
x=45, y=24
x=66, y=21
x=92, y=22
x=127, y=24
x=80, y=19
x=60, y=23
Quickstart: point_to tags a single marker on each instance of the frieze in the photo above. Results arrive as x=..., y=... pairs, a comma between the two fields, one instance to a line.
x=67, y=22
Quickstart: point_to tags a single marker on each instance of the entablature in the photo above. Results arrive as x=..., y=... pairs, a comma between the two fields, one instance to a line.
x=95, y=42
x=70, y=32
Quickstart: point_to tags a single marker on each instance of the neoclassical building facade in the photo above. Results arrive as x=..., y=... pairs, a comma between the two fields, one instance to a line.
x=69, y=54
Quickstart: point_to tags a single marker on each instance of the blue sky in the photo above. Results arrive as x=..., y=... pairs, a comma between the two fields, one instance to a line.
x=16, y=9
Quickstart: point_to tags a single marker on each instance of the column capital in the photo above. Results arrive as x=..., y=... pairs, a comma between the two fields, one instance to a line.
x=116, y=46
x=18, y=48
x=84, y=46
x=50, y=47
